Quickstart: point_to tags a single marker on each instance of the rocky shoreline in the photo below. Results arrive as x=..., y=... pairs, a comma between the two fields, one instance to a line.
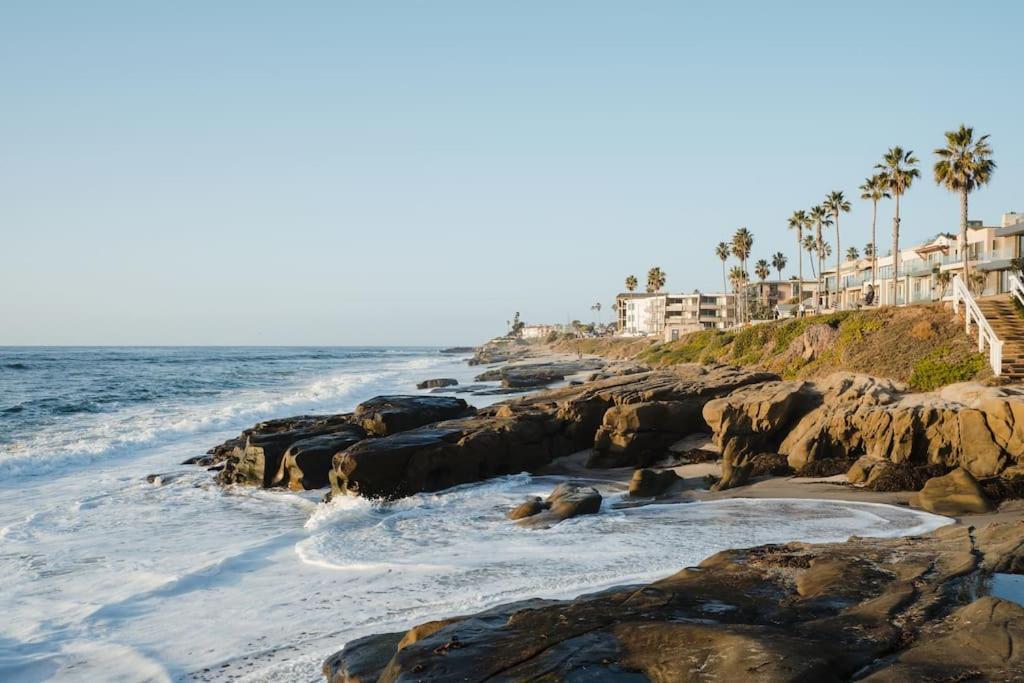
x=862, y=609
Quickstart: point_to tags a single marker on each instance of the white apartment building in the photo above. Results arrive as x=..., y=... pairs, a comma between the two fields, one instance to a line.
x=990, y=250
x=671, y=315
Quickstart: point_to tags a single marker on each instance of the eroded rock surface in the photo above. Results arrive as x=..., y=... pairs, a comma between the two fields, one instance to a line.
x=386, y=415
x=877, y=422
x=885, y=610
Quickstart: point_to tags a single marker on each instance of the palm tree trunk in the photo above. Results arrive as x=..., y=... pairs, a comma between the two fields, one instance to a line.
x=839, y=251
x=896, y=250
x=817, y=297
x=963, y=232
x=800, y=259
x=874, y=247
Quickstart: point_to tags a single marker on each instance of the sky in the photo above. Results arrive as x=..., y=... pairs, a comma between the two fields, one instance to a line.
x=335, y=173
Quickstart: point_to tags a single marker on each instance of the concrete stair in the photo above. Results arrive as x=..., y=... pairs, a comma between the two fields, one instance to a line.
x=1008, y=325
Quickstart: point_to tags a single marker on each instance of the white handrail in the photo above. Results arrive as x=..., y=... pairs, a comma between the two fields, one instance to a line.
x=1016, y=288
x=985, y=334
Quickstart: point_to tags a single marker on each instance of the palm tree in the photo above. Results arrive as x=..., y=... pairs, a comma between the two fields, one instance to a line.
x=779, y=262
x=899, y=168
x=762, y=270
x=631, y=283
x=964, y=165
x=798, y=221
x=655, y=280
x=742, y=242
x=597, y=307
x=835, y=204
x=852, y=254
x=811, y=247
x=875, y=189
x=819, y=214
x=722, y=252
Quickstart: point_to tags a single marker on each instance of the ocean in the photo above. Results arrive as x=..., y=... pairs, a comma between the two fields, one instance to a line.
x=106, y=576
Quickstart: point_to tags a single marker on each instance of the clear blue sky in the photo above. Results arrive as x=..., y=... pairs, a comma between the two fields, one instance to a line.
x=414, y=172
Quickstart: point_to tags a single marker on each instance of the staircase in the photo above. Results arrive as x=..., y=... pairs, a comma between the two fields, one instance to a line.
x=1008, y=325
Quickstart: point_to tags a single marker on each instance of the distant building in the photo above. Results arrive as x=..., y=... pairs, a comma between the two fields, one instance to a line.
x=540, y=331
x=671, y=315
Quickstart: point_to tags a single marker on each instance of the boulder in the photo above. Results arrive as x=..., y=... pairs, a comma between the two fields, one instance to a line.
x=567, y=500
x=957, y=493
x=307, y=462
x=648, y=483
x=387, y=415
x=438, y=382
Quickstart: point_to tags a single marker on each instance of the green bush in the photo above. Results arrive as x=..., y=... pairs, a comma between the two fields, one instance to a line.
x=938, y=369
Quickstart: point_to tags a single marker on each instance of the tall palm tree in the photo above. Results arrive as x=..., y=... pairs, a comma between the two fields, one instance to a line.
x=819, y=214
x=899, y=168
x=798, y=221
x=852, y=254
x=779, y=262
x=762, y=270
x=835, y=204
x=722, y=252
x=742, y=243
x=631, y=283
x=964, y=165
x=875, y=189
x=597, y=307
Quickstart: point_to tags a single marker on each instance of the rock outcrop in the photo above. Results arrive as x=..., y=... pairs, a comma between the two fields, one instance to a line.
x=307, y=462
x=519, y=435
x=567, y=500
x=387, y=415
x=879, y=610
x=877, y=422
x=254, y=458
x=658, y=411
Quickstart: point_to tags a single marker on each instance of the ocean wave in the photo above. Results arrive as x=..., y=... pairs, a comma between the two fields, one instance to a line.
x=16, y=366
x=87, y=432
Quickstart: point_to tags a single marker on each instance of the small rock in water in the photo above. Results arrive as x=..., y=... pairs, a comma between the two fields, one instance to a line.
x=438, y=382
x=567, y=500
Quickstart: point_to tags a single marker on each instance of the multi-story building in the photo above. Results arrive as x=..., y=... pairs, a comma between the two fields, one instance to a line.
x=670, y=315
x=990, y=250
x=640, y=314
x=764, y=296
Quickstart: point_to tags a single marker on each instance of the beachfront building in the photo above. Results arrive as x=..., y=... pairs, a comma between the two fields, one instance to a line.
x=671, y=315
x=640, y=314
x=990, y=250
x=766, y=296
